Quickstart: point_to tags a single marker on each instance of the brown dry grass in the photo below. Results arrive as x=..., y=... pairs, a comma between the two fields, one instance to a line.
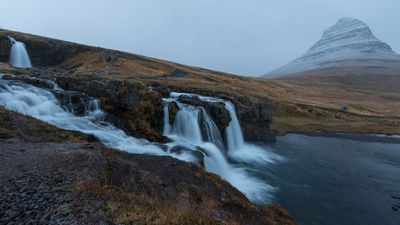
x=364, y=91
x=126, y=208
x=371, y=101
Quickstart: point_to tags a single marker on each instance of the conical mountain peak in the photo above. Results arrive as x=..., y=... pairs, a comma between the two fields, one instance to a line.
x=348, y=32
x=350, y=42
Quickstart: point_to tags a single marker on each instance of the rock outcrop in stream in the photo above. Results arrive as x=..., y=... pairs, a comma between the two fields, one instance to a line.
x=255, y=118
x=129, y=105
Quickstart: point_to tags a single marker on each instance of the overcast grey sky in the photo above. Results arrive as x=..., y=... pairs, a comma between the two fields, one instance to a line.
x=243, y=37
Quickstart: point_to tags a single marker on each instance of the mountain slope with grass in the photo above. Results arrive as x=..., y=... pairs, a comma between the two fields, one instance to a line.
x=80, y=67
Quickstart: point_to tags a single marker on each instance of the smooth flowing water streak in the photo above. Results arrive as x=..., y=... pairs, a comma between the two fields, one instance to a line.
x=43, y=105
x=193, y=127
x=194, y=135
x=19, y=56
x=237, y=148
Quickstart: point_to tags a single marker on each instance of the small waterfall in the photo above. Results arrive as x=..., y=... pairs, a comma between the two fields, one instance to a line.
x=194, y=135
x=212, y=133
x=234, y=134
x=94, y=111
x=192, y=124
x=238, y=149
x=43, y=105
x=194, y=128
x=166, y=125
x=186, y=124
x=19, y=55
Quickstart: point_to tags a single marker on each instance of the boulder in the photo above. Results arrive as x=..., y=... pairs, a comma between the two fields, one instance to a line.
x=107, y=57
x=216, y=110
x=255, y=117
x=74, y=102
x=5, y=46
x=173, y=109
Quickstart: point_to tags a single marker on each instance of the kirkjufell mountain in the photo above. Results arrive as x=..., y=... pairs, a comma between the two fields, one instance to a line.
x=350, y=42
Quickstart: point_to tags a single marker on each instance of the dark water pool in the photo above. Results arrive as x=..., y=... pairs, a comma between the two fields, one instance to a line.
x=336, y=181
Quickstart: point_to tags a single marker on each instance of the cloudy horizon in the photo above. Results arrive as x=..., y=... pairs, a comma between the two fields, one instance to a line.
x=245, y=38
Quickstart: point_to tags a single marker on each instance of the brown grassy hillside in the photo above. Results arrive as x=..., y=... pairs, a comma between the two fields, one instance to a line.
x=310, y=102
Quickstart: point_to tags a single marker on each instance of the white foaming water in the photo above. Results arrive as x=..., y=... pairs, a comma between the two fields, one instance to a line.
x=19, y=56
x=192, y=132
x=94, y=110
x=238, y=149
x=186, y=132
x=43, y=105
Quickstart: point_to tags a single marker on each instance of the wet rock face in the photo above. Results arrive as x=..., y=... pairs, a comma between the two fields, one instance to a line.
x=173, y=109
x=255, y=118
x=216, y=110
x=30, y=80
x=5, y=46
x=74, y=102
x=129, y=106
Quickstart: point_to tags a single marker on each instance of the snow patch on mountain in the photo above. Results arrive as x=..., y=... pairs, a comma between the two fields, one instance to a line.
x=350, y=42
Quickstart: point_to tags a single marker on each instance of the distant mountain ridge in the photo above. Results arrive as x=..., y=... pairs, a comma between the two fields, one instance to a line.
x=350, y=42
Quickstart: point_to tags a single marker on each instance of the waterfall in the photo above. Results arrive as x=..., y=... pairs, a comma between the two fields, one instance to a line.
x=194, y=135
x=238, y=149
x=234, y=134
x=212, y=133
x=19, y=55
x=43, y=105
x=187, y=124
x=94, y=111
x=193, y=127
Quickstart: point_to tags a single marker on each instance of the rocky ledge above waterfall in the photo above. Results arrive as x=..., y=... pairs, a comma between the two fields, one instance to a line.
x=215, y=109
x=254, y=116
x=129, y=105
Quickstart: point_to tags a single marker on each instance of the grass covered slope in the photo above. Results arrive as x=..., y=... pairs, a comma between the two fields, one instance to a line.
x=354, y=99
x=52, y=175
x=301, y=104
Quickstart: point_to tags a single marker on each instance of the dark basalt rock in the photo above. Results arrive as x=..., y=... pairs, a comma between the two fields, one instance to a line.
x=37, y=82
x=164, y=91
x=42, y=51
x=131, y=106
x=178, y=74
x=107, y=57
x=216, y=110
x=74, y=102
x=255, y=118
x=5, y=46
x=173, y=109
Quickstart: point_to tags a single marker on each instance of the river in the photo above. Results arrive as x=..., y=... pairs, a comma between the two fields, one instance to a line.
x=336, y=181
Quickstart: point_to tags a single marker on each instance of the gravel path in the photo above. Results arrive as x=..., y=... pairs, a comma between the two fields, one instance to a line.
x=37, y=180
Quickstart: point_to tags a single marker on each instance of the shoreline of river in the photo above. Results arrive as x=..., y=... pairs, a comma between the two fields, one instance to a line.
x=365, y=137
